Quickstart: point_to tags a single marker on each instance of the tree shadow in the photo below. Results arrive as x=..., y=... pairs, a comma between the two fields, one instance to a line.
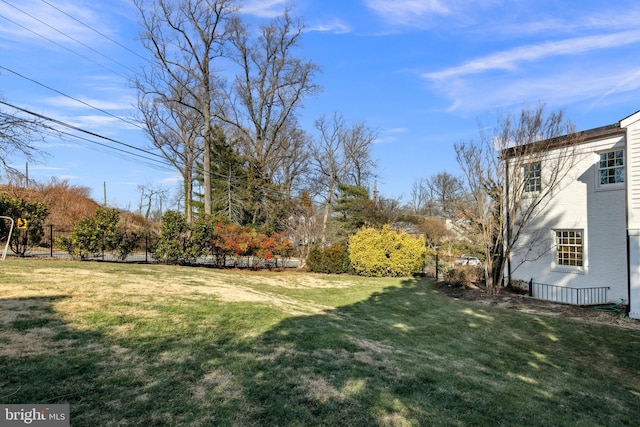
x=403, y=356
x=39, y=352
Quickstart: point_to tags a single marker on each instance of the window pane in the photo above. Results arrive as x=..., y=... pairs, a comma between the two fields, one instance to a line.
x=611, y=167
x=532, y=174
x=569, y=248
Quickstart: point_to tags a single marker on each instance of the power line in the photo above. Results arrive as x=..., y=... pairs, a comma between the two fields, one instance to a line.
x=68, y=36
x=79, y=129
x=96, y=31
x=62, y=46
x=71, y=97
x=164, y=160
x=76, y=53
x=155, y=158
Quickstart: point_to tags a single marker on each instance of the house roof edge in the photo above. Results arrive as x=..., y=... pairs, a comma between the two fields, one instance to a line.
x=560, y=141
x=629, y=119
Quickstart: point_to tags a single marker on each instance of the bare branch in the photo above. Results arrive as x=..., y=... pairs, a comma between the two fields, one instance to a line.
x=511, y=175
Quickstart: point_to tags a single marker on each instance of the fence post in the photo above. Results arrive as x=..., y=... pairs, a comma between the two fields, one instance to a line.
x=146, y=247
x=51, y=240
x=531, y=287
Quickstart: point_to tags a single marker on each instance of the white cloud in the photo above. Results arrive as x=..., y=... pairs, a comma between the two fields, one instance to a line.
x=401, y=11
x=390, y=135
x=34, y=20
x=429, y=13
x=628, y=81
x=64, y=102
x=575, y=22
x=264, y=8
x=558, y=88
x=510, y=59
x=170, y=180
x=335, y=26
x=104, y=125
x=397, y=130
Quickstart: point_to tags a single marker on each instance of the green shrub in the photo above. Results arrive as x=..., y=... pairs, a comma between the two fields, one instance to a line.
x=314, y=259
x=33, y=212
x=94, y=235
x=203, y=233
x=128, y=243
x=334, y=259
x=385, y=252
x=173, y=245
x=337, y=259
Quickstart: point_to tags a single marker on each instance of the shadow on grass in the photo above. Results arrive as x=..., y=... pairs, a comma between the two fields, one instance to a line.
x=404, y=356
x=41, y=360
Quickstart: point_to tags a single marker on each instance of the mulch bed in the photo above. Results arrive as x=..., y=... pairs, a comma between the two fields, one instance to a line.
x=516, y=299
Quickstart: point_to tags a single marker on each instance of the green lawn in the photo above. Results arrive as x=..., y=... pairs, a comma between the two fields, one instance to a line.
x=143, y=345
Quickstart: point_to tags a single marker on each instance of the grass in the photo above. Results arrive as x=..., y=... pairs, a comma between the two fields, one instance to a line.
x=158, y=345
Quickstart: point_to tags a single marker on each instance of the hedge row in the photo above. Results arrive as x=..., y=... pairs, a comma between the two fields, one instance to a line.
x=181, y=243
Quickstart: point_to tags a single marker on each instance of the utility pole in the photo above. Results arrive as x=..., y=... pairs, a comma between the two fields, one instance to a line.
x=105, y=193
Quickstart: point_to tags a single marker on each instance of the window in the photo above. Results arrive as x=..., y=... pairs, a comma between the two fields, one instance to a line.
x=611, y=167
x=569, y=248
x=532, y=176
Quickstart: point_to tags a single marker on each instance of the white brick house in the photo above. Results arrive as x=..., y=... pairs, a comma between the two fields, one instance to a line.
x=583, y=246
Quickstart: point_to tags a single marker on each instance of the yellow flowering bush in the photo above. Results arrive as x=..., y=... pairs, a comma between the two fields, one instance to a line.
x=385, y=252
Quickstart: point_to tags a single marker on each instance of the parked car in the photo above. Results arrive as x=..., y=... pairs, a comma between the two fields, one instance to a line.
x=468, y=260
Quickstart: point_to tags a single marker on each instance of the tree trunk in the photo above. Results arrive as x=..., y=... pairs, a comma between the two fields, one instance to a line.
x=327, y=207
x=188, y=195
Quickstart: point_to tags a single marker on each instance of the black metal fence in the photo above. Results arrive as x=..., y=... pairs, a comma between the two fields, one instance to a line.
x=50, y=248
x=568, y=295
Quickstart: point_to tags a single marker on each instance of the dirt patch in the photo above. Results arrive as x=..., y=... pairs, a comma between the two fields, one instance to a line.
x=514, y=299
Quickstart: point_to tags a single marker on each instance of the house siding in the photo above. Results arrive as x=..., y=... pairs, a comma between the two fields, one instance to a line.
x=633, y=176
x=632, y=124
x=579, y=203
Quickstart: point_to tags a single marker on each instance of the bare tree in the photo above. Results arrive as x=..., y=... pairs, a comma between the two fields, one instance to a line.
x=291, y=163
x=17, y=137
x=428, y=196
x=329, y=161
x=511, y=174
x=446, y=190
x=358, y=140
x=419, y=197
x=176, y=131
x=337, y=150
x=268, y=90
x=151, y=197
x=186, y=38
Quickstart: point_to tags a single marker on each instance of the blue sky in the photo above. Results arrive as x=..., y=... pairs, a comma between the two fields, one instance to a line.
x=424, y=73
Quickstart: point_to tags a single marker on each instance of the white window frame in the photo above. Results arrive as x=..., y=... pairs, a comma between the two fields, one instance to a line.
x=564, y=247
x=532, y=181
x=611, y=165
